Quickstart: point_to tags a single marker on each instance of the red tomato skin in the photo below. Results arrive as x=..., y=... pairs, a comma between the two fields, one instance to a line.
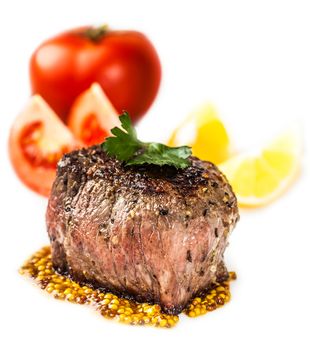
x=27, y=173
x=124, y=63
x=33, y=161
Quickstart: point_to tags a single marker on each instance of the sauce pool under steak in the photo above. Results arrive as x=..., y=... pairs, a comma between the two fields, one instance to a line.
x=39, y=267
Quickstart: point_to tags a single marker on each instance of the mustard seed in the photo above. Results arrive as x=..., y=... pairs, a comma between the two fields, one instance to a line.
x=40, y=268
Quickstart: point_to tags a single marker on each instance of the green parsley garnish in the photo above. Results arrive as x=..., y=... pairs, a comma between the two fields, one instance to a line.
x=125, y=146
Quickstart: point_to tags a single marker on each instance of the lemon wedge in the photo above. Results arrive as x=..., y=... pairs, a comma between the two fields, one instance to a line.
x=259, y=178
x=205, y=133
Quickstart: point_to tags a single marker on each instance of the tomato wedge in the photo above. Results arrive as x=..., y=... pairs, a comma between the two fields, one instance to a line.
x=38, y=139
x=92, y=116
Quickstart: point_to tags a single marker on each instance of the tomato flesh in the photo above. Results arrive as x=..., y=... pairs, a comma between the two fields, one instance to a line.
x=92, y=116
x=29, y=144
x=92, y=133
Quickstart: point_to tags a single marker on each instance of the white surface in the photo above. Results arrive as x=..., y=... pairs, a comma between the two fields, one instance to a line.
x=252, y=60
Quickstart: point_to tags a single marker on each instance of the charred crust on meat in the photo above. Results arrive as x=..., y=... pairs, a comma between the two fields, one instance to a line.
x=214, y=184
x=132, y=232
x=102, y=226
x=140, y=178
x=65, y=180
x=150, y=179
x=229, y=204
x=189, y=256
x=163, y=211
x=216, y=232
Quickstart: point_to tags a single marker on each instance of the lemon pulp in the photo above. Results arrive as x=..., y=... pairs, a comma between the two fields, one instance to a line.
x=205, y=133
x=259, y=178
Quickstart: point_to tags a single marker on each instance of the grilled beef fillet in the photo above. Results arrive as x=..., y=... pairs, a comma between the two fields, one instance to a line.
x=156, y=234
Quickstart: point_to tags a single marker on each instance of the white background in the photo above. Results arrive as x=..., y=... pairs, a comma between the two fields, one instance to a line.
x=252, y=60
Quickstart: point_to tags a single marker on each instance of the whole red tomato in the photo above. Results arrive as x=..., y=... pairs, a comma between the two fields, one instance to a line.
x=124, y=63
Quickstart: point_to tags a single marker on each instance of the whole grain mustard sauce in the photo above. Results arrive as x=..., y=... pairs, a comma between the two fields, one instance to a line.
x=39, y=268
